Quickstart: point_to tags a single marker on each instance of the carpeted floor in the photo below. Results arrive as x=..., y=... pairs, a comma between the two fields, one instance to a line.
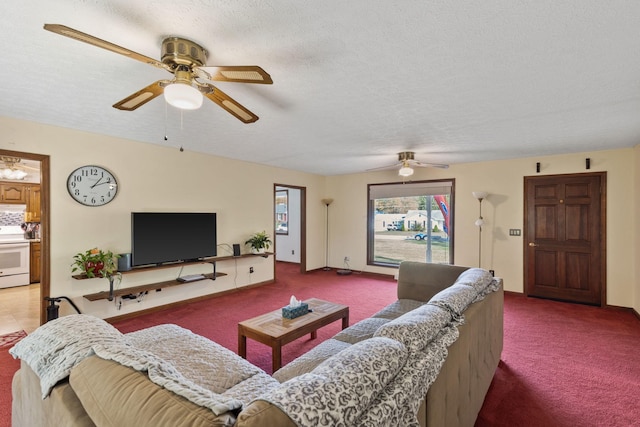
x=8, y=366
x=562, y=364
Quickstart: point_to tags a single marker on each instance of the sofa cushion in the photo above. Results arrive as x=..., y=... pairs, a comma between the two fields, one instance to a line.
x=57, y=346
x=456, y=298
x=308, y=361
x=115, y=395
x=341, y=388
x=416, y=328
x=420, y=281
x=477, y=278
x=398, y=308
x=362, y=330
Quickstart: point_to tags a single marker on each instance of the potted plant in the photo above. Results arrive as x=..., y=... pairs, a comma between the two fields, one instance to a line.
x=259, y=242
x=96, y=263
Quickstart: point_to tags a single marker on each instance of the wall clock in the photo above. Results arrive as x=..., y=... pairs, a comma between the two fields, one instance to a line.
x=92, y=185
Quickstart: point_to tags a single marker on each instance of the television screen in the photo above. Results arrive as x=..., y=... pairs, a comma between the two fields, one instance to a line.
x=162, y=237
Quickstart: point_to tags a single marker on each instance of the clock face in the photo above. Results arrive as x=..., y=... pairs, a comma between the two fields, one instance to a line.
x=92, y=186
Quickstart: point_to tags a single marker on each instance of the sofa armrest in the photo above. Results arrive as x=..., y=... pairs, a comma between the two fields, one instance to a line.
x=420, y=281
x=60, y=408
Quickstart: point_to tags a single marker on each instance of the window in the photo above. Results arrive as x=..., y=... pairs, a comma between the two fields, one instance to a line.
x=410, y=222
x=282, y=212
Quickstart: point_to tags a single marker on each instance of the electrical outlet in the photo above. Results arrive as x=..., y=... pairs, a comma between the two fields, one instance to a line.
x=250, y=270
x=293, y=252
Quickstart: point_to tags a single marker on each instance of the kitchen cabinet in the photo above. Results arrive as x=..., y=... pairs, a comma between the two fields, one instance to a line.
x=34, y=263
x=11, y=192
x=33, y=203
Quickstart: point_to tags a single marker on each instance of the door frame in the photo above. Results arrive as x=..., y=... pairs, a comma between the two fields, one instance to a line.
x=45, y=221
x=303, y=225
x=603, y=229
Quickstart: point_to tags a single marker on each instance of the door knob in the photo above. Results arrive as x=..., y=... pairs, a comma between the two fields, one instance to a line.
x=532, y=244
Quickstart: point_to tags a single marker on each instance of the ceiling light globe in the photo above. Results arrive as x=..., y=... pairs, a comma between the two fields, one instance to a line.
x=405, y=171
x=183, y=96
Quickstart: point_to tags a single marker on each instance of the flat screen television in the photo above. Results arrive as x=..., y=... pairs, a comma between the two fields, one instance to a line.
x=164, y=237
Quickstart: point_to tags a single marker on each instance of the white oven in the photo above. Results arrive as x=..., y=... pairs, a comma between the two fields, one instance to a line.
x=14, y=258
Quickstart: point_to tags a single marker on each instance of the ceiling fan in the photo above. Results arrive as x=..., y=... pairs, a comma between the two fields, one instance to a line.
x=406, y=163
x=12, y=168
x=184, y=59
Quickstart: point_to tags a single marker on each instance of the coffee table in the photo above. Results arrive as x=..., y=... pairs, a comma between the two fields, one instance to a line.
x=275, y=331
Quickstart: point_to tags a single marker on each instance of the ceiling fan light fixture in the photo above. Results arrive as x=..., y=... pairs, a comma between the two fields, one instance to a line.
x=183, y=96
x=16, y=174
x=405, y=170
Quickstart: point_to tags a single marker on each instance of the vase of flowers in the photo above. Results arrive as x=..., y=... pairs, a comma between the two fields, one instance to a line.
x=96, y=263
x=259, y=242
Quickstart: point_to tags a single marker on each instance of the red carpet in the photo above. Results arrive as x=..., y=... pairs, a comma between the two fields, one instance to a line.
x=562, y=364
x=565, y=365
x=8, y=366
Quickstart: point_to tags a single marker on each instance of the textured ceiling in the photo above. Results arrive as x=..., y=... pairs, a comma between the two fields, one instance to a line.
x=355, y=82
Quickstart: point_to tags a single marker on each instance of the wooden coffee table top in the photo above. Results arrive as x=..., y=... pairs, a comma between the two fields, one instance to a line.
x=275, y=326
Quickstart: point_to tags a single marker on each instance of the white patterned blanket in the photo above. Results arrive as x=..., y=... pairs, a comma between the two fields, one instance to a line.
x=187, y=364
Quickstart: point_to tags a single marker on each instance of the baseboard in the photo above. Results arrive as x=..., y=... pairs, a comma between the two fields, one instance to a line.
x=158, y=308
x=380, y=276
x=606, y=307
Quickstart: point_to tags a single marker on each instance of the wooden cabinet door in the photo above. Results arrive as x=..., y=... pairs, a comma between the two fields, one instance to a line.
x=13, y=193
x=34, y=267
x=33, y=204
x=565, y=237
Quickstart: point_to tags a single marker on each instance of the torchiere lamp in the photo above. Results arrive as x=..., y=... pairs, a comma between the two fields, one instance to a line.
x=327, y=202
x=480, y=195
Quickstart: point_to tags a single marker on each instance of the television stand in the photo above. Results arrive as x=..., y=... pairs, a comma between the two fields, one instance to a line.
x=169, y=283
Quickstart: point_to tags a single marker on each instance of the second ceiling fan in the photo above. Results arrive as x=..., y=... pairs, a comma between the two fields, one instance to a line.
x=407, y=161
x=184, y=59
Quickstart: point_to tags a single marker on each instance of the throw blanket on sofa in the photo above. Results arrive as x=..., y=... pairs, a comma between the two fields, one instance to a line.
x=205, y=373
x=53, y=349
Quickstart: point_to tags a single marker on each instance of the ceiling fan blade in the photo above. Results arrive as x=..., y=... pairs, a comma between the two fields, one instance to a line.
x=237, y=74
x=381, y=168
x=428, y=165
x=229, y=104
x=141, y=97
x=83, y=37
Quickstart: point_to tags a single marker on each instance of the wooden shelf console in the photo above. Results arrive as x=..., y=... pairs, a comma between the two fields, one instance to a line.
x=166, y=284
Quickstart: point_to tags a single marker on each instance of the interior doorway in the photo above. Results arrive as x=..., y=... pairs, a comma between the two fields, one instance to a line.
x=45, y=228
x=565, y=237
x=290, y=219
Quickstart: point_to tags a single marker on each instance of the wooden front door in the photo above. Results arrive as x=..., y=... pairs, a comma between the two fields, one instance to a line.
x=565, y=257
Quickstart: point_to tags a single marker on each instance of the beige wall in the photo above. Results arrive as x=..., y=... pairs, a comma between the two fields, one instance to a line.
x=636, y=233
x=155, y=178
x=502, y=210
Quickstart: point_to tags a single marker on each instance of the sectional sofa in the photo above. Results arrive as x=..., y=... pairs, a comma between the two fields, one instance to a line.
x=426, y=359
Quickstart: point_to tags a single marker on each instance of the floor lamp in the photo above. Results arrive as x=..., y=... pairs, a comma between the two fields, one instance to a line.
x=480, y=195
x=327, y=202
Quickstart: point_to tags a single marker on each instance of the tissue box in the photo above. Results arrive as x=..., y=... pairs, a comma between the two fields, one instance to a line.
x=292, y=313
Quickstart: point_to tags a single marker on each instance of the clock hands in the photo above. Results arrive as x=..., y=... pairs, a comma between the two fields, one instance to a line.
x=102, y=183
x=99, y=179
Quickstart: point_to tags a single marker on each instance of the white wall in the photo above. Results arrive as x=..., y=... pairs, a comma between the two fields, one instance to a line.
x=288, y=245
x=502, y=210
x=156, y=178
